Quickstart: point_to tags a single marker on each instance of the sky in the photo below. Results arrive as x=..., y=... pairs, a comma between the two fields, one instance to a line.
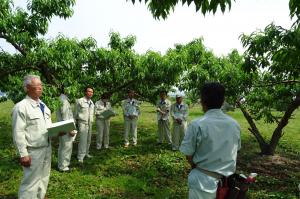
x=97, y=18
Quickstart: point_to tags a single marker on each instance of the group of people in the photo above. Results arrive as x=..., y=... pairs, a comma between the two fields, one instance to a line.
x=209, y=143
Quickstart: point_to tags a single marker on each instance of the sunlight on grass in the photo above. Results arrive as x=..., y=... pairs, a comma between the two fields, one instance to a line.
x=149, y=170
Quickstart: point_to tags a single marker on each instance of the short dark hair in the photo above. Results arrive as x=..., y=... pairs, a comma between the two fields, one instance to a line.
x=87, y=87
x=105, y=95
x=163, y=92
x=213, y=95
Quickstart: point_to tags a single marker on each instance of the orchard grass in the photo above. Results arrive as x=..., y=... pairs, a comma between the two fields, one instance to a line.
x=149, y=170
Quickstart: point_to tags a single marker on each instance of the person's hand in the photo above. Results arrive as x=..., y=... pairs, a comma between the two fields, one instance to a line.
x=25, y=161
x=62, y=133
x=179, y=121
x=72, y=133
x=131, y=117
x=193, y=165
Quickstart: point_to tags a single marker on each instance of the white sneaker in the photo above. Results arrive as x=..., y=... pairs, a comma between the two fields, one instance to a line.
x=89, y=156
x=126, y=145
x=66, y=169
x=80, y=160
x=174, y=148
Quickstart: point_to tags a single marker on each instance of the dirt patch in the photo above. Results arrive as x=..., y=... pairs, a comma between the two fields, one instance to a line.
x=276, y=166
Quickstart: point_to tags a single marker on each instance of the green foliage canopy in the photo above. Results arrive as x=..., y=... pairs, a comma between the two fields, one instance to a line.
x=162, y=8
x=73, y=64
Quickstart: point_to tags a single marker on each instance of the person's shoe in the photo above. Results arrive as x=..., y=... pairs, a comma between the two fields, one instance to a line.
x=126, y=145
x=80, y=161
x=89, y=156
x=134, y=144
x=66, y=169
x=174, y=149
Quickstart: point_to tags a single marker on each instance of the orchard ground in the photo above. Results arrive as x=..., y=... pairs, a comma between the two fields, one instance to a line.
x=149, y=170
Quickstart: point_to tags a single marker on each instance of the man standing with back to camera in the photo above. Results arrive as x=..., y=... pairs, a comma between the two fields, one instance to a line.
x=210, y=144
x=66, y=141
x=30, y=120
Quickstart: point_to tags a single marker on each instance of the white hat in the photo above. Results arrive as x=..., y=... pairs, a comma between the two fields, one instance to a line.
x=179, y=95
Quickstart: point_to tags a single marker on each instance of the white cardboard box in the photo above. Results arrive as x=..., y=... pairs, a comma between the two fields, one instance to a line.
x=63, y=126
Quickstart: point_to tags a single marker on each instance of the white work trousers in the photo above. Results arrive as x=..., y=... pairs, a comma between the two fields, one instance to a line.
x=102, y=126
x=65, y=151
x=198, y=194
x=130, y=127
x=85, y=136
x=178, y=133
x=164, y=131
x=36, y=177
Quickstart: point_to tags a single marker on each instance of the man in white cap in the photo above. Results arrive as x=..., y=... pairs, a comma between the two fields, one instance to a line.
x=66, y=141
x=84, y=115
x=30, y=120
x=163, y=114
x=131, y=112
x=179, y=113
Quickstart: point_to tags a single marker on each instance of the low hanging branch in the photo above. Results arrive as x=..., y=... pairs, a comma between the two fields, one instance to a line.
x=263, y=84
x=5, y=73
x=9, y=40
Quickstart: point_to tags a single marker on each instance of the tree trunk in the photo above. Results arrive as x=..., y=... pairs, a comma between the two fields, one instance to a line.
x=254, y=130
x=277, y=134
x=269, y=149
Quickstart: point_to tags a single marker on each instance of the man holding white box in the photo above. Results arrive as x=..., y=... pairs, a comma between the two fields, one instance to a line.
x=131, y=112
x=163, y=114
x=102, y=122
x=179, y=113
x=30, y=120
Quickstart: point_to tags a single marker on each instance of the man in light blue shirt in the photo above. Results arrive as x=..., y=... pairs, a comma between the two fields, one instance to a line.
x=210, y=144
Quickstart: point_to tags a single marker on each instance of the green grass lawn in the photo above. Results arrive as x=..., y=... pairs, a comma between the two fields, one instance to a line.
x=151, y=171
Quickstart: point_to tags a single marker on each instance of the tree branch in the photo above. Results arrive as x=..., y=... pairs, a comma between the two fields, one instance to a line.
x=283, y=122
x=9, y=40
x=253, y=129
x=4, y=73
x=50, y=78
x=262, y=84
x=122, y=86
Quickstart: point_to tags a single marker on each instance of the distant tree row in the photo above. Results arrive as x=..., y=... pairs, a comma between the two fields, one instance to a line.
x=266, y=76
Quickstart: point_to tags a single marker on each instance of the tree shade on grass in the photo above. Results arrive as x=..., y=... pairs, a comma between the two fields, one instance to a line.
x=151, y=171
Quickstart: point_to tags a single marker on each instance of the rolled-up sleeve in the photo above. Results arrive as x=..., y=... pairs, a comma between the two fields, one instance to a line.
x=19, y=130
x=188, y=144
